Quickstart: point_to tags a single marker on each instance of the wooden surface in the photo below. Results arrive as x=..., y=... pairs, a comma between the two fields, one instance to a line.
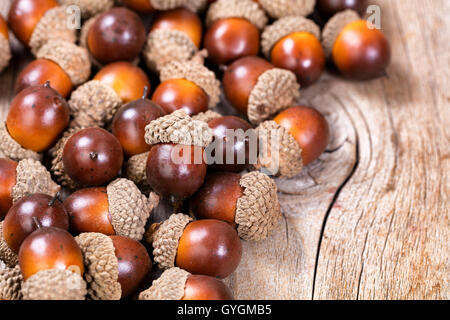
x=370, y=218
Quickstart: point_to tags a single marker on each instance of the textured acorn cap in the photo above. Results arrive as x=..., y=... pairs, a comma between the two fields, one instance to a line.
x=288, y=153
x=57, y=165
x=284, y=27
x=169, y=286
x=129, y=208
x=244, y=9
x=93, y=104
x=164, y=45
x=178, y=128
x=334, y=27
x=90, y=8
x=85, y=30
x=165, y=239
x=32, y=177
x=11, y=283
x=74, y=60
x=102, y=266
x=54, y=284
x=197, y=73
x=136, y=168
x=258, y=209
x=276, y=89
x=8, y=256
x=283, y=8
x=207, y=116
x=193, y=5
x=13, y=150
x=52, y=26
x=5, y=52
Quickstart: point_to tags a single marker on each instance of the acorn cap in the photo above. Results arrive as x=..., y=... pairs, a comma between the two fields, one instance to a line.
x=102, y=266
x=12, y=149
x=178, y=128
x=93, y=104
x=33, y=177
x=52, y=26
x=57, y=166
x=165, y=45
x=245, y=9
x=258, y=209
x=169, y=286
x=54, y=284
x=165, y=239
x=283, y=8
x=136, y=170
x=334, y=27
x=193, y=5
x=11, y=283
x=287, y=160
x=74, y=60
x=284, y=27
x=8, y=256
x=90, y=8
x=129, y=208
x=5, y=52
x=197, y=73
x=276, y=89
x=207, y=116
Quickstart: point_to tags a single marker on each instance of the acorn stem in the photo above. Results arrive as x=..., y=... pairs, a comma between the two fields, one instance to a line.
x=53, y=200
x=37, y=223
x=144, y=96
x=47, y=84
x=93, y=155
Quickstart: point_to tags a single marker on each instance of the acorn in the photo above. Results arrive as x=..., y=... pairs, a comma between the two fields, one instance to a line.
x=54, y=284
x=178, y=284
x=293, y=43
x=284, y=8
x=259, y=90
x=36, y=118
x=11, y=283
x=92, y=157
x=119, y=209
x=19, y=179
x=176, y=132
x=50, y=248
x=358, y=50
x=141, y=6
x=129, y=124
x=127, y=80
x=21, y=219
x=106, y=259
x=44, y=20
x=63, y=63
x=174, y=36
x=90, y=8
x=177, y=128
x=301, y=135
x=5, y=49
x=208, y=247
x=328, y=8
x=248, y=202
x=117, y=34
x=188, y=85
x=233, y=30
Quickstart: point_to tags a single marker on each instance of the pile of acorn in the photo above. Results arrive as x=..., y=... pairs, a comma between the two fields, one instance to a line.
x=80, y=178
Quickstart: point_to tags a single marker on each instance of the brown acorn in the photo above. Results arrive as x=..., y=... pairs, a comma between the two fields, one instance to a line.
x=178, y=284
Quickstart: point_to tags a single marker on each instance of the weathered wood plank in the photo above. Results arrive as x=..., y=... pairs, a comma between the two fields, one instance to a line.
x=387, y=237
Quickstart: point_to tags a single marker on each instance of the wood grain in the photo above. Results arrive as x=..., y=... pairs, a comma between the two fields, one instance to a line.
x=370, y=218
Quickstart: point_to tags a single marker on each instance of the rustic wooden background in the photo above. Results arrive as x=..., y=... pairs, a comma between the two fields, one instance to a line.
x=370, y=218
